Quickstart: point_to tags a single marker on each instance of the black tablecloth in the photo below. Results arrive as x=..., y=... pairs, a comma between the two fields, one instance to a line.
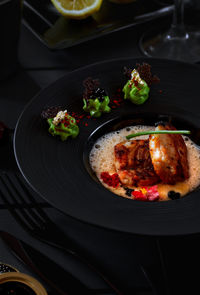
x=120, y=254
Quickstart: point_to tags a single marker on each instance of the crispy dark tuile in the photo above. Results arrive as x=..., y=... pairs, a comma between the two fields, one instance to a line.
x=50, y=112
x=90, y=86
x=145, y=73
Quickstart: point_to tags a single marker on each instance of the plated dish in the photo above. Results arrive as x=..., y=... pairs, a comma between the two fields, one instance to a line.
x=61, y=172
x=155, y=167
x=158, y=164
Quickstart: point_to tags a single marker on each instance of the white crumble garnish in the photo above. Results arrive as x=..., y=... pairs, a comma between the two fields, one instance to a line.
x=59, y=117
x=136, y=76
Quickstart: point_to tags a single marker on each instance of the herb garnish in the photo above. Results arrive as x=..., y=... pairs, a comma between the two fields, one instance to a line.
x=158, y=132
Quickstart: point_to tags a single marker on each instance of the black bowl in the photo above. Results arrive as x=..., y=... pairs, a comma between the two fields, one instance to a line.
x=60, y=171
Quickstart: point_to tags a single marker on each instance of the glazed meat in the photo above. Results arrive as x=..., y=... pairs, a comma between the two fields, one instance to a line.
x=133, y=163
x=169, y=155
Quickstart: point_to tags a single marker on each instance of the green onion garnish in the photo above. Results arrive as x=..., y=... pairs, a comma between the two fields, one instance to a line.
x=158, y=132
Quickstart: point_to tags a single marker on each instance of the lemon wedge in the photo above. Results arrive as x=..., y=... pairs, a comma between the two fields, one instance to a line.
x=77, y=9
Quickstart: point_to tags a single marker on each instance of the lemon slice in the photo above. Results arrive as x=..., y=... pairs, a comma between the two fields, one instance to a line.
x=77, y=9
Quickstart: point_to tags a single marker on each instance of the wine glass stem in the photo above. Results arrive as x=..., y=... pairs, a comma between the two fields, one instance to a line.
x=177, y=29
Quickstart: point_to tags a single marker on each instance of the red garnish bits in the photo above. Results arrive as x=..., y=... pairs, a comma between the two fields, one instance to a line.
x=110, y=180
x=146, y=194
x=117, y=99
x=135, y=82
x=138, y=195
x=152, y=193
x=66, y=121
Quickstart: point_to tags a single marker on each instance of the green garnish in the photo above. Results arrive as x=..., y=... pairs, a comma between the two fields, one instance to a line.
x=95, y=99
x=66, y=128
x=158, y=132
x=136, y=89
x=97, y=106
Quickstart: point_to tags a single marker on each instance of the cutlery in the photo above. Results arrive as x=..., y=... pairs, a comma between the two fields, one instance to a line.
x=36, y=222
x=54, y=275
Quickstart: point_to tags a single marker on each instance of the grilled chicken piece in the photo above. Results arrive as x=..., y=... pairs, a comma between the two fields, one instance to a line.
x=133, y=163
x=169, y=155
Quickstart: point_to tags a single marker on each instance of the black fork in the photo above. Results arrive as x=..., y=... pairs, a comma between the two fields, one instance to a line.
x=26, y=211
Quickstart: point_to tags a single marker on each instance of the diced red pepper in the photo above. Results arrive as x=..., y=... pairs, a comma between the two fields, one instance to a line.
x=111, y=180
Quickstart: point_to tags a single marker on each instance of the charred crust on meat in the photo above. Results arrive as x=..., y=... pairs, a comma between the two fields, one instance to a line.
x=120, y=153
x=134, y=165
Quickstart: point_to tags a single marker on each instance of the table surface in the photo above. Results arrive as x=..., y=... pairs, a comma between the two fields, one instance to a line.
x=120, y=254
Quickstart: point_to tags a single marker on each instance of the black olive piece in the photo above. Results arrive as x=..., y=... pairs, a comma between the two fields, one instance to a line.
x=94, y=96
x=128, y=191
x=174, y=195
x=100, y=91
x=101, y=99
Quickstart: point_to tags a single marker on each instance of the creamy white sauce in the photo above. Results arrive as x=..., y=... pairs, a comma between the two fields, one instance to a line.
x=102, y=160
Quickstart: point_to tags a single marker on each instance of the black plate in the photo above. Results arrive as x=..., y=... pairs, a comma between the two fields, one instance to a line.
x=60, y=173
x=57, y=32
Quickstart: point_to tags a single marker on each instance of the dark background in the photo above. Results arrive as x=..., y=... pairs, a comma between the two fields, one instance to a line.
x=119, y=254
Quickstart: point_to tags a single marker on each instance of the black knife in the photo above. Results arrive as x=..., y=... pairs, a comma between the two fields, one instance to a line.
x=53, y=274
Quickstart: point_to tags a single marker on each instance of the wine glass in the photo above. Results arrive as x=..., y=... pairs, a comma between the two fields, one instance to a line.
x=175, y=43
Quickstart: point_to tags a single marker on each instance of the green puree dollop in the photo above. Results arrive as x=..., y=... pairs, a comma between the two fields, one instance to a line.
x=96, y=106
x=136, y=89
x=65, y=126
x=95, y=99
